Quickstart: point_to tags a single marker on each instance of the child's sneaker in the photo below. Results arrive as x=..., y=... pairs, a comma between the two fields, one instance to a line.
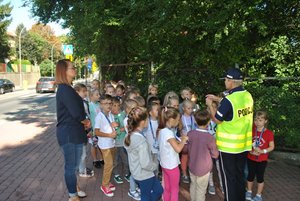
x=97, y=164
x=185, y=179
x=107, y=191
x=127, y=177
x=87, y=173
x=112, y=187
x=248, y=195
x=257, y=198
x=80, y=193
x=118, y=179
x=211, y=190
x=134, y=194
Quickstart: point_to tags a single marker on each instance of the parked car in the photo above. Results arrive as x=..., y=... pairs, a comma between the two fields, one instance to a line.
x=46, y=84
x=6, y=86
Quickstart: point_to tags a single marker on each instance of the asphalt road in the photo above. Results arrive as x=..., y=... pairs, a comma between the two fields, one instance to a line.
x=24, y=114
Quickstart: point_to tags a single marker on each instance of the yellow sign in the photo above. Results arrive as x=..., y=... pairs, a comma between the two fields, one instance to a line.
x=69, y=56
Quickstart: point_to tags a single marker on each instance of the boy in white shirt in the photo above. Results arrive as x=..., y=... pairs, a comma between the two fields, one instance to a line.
x=105, y=130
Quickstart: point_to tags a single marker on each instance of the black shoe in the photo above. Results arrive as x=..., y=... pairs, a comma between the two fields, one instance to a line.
x=96, y=164
x=101, y=162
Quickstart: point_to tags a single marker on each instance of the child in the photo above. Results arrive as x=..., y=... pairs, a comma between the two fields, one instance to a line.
x=94, y=108
x=170, y=97
x=201, y=147
x=153, y=99
x=169, y=147
x=128, y=105
x=95, y=84
x=129, y=95
x=83, y=170
x=121, y=154
x=153, y=89
x=172, y=100
x=141, y=162
x=110, y=90
x=120, y=90
x=105, y=130
x=186, y=94
x=212, y=126
x=188, y=124
x=151, y=136
x=263, y=143
x=140, y=100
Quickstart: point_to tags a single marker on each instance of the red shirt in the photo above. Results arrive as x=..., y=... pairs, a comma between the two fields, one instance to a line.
x=264, y=141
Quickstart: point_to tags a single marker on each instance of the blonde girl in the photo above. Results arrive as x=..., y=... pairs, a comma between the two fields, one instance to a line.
x=153, y=89
x=188, y=124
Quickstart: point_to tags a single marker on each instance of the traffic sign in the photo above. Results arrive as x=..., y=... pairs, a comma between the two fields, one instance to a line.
x=89, y=64
x=68, y=49
x=69, y=56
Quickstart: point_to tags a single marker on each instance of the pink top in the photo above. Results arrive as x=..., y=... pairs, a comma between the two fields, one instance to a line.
x=202, y=148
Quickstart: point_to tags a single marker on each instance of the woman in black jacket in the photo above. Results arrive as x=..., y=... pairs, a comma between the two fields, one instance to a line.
x=71, y=124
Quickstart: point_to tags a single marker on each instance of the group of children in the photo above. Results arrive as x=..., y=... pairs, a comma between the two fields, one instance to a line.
x=137, y=139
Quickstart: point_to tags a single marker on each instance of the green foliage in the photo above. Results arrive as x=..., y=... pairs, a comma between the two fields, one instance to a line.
x=46, y=67
x=23, y=62
x=5, y=11
x=192, y=43
x=36, y=44
x=280, y=98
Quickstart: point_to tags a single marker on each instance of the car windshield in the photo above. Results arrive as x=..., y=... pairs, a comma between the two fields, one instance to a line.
x=1, y=81
x=46, y=79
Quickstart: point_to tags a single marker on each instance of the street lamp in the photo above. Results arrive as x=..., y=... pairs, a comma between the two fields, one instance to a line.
x=20, y=57
x=52, y=60
x=52, y=48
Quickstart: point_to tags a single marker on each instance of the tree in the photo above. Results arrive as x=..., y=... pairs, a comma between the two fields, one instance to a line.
x=177, y=35
x=38, y=42
x=5, y=11
x=46, y=67
x=47, y=33
x=34, y=47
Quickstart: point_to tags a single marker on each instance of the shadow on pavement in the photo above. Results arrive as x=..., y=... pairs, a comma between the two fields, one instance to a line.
x=39, y=110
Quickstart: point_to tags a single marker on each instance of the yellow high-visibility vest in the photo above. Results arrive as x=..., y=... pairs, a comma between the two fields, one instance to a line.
x=235, y=136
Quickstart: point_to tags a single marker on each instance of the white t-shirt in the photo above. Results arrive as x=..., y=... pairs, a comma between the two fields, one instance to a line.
x=104, y=126
x=152, y=136
x=169, y=158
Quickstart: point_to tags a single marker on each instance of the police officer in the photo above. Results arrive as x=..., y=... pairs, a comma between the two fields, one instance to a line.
x=234, y=117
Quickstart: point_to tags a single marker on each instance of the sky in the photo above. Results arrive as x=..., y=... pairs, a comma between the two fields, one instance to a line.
x=21, y=14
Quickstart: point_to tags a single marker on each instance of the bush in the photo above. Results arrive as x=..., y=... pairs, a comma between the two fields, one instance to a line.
x=280, y=98
x=23, y=62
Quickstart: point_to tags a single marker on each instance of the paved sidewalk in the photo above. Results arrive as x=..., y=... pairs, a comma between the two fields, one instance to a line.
x=34, y=171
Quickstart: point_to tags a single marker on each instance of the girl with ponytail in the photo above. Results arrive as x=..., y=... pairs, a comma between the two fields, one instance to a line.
x=141, y=163
x=169, y=148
